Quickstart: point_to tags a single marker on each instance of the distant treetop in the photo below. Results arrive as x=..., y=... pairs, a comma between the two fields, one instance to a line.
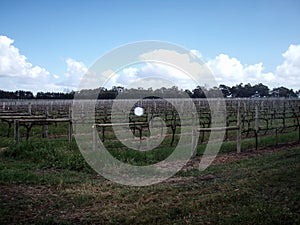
x=238, y=91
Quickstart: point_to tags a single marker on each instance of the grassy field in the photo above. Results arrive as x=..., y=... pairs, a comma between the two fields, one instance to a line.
x=46, y=182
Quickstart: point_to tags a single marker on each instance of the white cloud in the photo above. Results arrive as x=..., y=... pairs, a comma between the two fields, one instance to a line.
x=196, y=53
x=231, y=71
x=13, y=64
x=16, y=72
x=155, y=75
x=72, y=77
x=123, y=77
x=288, y=73
x=130, y=72
x=75, y=68
x=226, y=70
x=194, y=70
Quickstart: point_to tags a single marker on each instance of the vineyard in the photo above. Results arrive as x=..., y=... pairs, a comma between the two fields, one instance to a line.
x=44, y=178
x=246, y=119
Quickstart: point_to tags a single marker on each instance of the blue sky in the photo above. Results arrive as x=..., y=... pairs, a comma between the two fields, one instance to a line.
x=232, y=32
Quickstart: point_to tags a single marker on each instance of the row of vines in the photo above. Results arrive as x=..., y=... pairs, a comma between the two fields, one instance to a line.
x=53, y=119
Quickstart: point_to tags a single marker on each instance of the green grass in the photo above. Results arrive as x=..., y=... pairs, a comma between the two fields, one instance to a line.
x=48, y=154
x=40, y=184
x=59, y=154
x=249, y=143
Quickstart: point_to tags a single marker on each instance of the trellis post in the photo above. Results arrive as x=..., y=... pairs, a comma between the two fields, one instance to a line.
x=239, y=131
x=29, y=108
x=70, y=125
x=256, y=127
x=45, y=127
x=16, y=131
x=194, y=135
x=95, y=136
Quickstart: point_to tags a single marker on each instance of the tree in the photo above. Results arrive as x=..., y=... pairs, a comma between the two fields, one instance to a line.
x=190, y=94
x=225, y=90
x=198, y=92
x=262, y=90
x=283, y=92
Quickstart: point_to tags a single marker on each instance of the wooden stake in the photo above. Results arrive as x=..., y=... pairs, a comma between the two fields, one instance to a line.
x=256, y=127
x=45, y=127
x=239, y=132
x=95, y=136
x=29, y=108
x=70, y=125
x=17, y=135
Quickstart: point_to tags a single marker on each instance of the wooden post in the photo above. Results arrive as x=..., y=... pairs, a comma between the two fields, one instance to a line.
x=162, y=127
x=194, y=135
x=149, y=124
x=29, y=108
x=103, y=134
x=70, y=125
x=239, y=132
x=17, y=135
x=283, y=116
x=276, y=126
x=95, y=135
x=82, y=113
x=256, y=127
x=298, y=124
x=45, y=127
x=194, y=143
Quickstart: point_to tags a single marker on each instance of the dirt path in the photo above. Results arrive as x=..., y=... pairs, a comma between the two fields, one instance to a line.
x=229, y=157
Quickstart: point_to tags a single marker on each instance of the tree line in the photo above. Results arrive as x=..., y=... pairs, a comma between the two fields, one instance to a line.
x=238, y=91
x=20, y=94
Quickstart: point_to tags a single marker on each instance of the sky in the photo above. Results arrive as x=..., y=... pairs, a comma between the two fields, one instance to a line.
x=49, y=45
